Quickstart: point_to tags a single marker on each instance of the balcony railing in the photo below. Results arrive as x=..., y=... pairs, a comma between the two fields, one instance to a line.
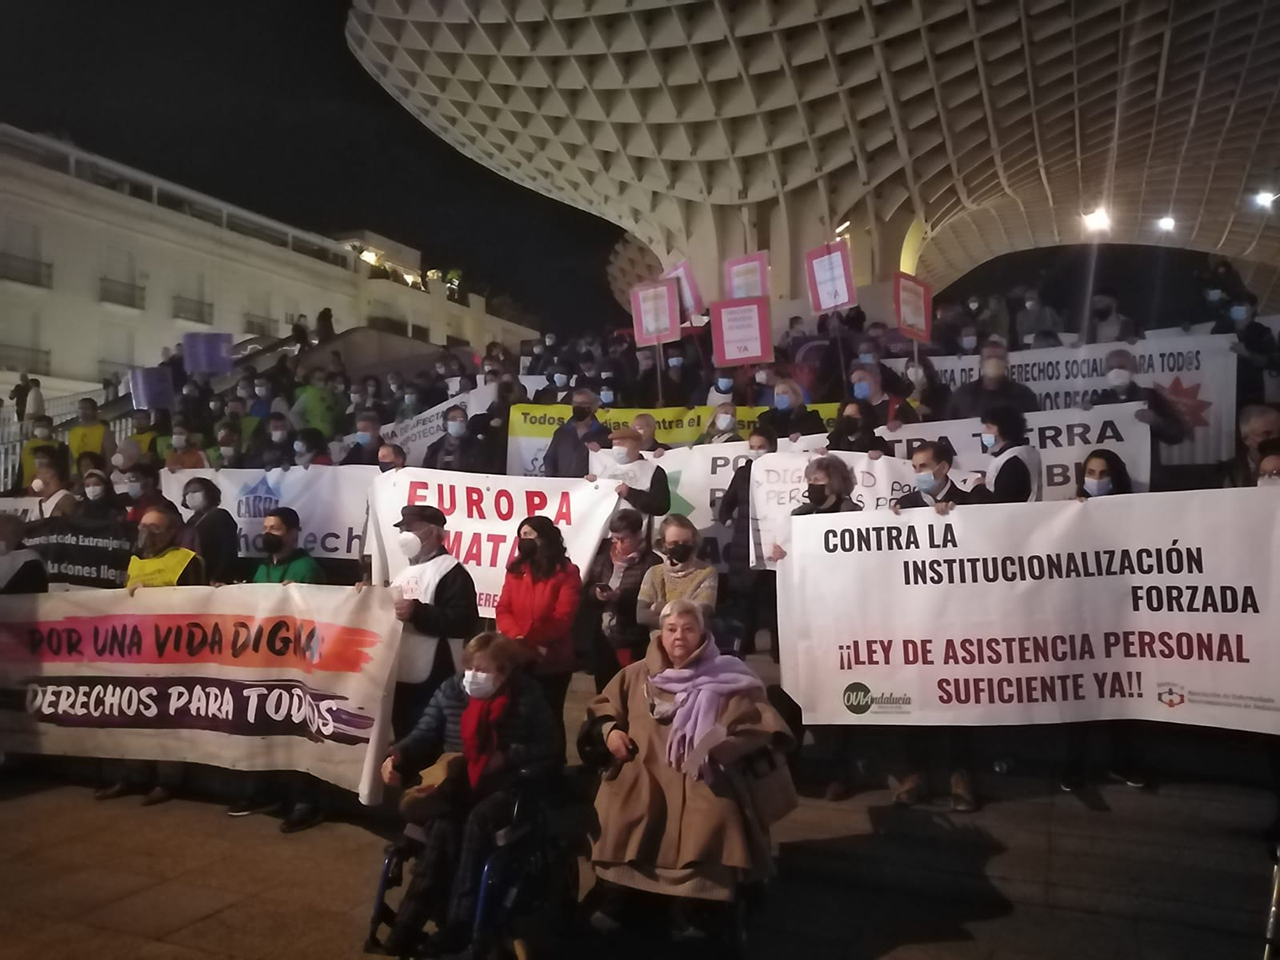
x=188, y=308
x=256, y=325
x=22, y=270
x=26, y=359
x=125, y=294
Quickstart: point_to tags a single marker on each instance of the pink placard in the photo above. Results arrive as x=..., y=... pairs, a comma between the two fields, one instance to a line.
x=913, y=302
x=740, y=332
x=655, y=312
x=690, y=296
x=747, y=276
x=830, y=275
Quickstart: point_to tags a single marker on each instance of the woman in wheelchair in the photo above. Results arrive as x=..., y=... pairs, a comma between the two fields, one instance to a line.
x=477, y=733
x=693, y=779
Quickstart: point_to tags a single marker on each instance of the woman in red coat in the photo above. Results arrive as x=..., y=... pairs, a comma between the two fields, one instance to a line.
x=539, y=600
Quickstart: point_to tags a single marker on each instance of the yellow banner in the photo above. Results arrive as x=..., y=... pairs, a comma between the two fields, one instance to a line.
x=675, y=425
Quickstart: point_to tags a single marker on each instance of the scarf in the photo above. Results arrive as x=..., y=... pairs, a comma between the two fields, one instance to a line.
x=699, y=690
x=480, y=721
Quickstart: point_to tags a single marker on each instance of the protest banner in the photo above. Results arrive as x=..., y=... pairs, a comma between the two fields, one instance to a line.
x=913, y=302
x=330, y=502
x=151, y=388
x=83, y=552
x=830, y=275
x=532, y=426
x=416, y=434
x=778, y=487
x=207, y=352
x=25, y=508
x=740, y=332
x=747, y=276
x=249, y=677
x=1158, y=607
x=483, y=512
x=690, y=296
x=1197, y=375
x=698, y=478
x=1063, y=437
x=655, y=312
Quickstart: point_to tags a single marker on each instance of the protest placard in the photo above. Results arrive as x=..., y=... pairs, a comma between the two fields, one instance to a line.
x=655, y=312
x=747, y=276
x=83, y=552
x=830, y=276
x=913, y=302
x=1156, y=607
x=690, y=296
x=249, y=677
x=740, y=332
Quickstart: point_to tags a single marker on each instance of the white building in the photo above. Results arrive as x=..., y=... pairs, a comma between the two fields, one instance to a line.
x=102, y=266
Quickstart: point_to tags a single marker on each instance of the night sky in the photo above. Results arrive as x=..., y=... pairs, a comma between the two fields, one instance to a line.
x=261, y=104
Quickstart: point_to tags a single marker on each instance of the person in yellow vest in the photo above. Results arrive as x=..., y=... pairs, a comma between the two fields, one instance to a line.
x=159, y=562
x=42, y=436
x=144, y=434
x=90, y=434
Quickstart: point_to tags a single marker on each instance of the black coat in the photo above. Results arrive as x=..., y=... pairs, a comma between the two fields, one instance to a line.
x=952, y=494
x=453, y=614
x=784, y=423
x=470, y=458
x=567, y=455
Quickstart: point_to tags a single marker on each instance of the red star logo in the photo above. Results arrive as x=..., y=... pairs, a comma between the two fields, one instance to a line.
x=1186, y=401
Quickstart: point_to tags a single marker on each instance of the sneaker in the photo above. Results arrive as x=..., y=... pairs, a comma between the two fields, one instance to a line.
x=253, y=805
x=687, y=922
x=910, y=790
x=838, y=790
x=1132, y=778
x=112, y=792
x=157, y=795
x=962, y=798
x=303, y=816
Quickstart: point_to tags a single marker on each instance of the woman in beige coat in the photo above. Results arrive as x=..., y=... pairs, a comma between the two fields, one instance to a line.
x=679, y=728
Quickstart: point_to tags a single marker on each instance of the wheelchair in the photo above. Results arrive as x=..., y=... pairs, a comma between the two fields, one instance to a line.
x=528, y=889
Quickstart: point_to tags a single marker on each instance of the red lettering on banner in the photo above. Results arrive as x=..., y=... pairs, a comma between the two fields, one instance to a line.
x=496, y=540
x=452, y=541
x=534, y=501
x=504, y=504
x=563, y=513
x=417, y=493
x=473, y=549
x=475, y=503
x=447, y=509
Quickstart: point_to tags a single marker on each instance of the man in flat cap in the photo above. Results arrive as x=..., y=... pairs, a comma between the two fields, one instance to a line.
x=436, y=600
x=640, y=482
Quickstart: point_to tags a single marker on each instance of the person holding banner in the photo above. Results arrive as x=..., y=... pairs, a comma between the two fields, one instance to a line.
x=723, y=427
x=885, y=408
x=992, y=387
x=854, y=431
x=436, y=600
x=457, y=449
x=929, y=395
x=1014, y=474
x=557, y=387
x=368, y=439
x=539, y=600
x=1105, y=474
x=143, y=488
x=391, y=456
x=99, y=501
x=311, y=449
x=90, y=433
x=21, y=569
x=789, y=417
x=756, y=591
x=932, y=463
x=1165, y=423
x=568, y=454
x=211, y=530
x=645, y=425
x=52, y=484
x=830, y=488
x=643, y=483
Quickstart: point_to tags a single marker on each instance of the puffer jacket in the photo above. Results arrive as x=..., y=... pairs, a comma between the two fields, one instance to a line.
x=540, y=613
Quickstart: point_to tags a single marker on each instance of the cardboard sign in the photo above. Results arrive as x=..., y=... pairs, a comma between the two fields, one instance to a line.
x=830, y=275
x=740, y=332
x=151, y=388
x=206, y=352
x=690, y=296
x=655, y=312
x=747, y=276
x=913, y=303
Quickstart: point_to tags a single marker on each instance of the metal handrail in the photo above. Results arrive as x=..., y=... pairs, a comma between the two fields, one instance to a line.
x=260, y=326
x=35, y=273
x=123, y=293
x=189, y=308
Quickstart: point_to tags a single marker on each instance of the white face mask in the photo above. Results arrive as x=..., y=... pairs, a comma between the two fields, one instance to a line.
x=968, y=342
x=756, y=454
x=726, y=421
x=762, y=376
x=1119, y=378
x=409, y=543
x=179, y=441
x=262, y=391
x=299, y=447
x=37, y=485
x=456, y=428
x=135, y=489
x=479, y=685
x=44, y=433
x=117, y=460
x=621, y=454
x=95, y=492
x=279, y=436
x=916, y=376
x=227, y=452
x=195, y=500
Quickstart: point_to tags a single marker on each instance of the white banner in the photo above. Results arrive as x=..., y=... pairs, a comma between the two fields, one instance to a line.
x=482, y=513
x=698, y=478
x=330, y=502
x=1153, y=607
x=28, y=508
x=1196, y=374
x=778, y=487
x=1063, y=437
x=416, y=434
x=250, y=677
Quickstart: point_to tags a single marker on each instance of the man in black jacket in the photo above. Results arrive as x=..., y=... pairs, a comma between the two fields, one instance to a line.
x=368, y=440
x=934, y=488
x=568, y=453
x=992, y=387
x=1166, y=426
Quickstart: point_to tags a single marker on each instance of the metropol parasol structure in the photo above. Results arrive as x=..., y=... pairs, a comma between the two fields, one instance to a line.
x=930, y=135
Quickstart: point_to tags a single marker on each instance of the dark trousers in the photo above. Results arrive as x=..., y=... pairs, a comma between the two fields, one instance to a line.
x=446, y=877
x=145, y=774
x=923, y=746
x=555, y=687
x=1117, y=738
x=605, y=662
x=411, y=699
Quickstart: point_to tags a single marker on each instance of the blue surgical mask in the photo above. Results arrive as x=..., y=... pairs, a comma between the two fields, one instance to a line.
x=606, y=396
x=456, y=428
x=561, y=379
x=988, y=440
x=363, y=437
x=675, y=362
x=1097, y=486
x=866, y=358
x=926, y=482
x=1239, y=313
x=782, y=401
x=862, y=390
x=724, y=384
x=1213, y=296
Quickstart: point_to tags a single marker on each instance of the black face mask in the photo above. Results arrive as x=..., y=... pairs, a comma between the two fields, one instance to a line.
x=1101, y=313
x=679, y=553
x=816, y=493
x=272, y=543
x=581, y=413
x=527, y=548
x=849, y=426
x=384, y=467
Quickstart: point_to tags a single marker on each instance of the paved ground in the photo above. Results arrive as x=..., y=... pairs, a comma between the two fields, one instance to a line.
x=1036, y=874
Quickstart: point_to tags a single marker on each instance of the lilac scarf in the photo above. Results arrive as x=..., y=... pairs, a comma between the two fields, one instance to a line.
x=699, y=691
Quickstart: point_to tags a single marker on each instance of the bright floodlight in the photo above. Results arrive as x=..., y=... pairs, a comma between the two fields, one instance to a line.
x=369, y=256
x=1264, y=198
x=1165, y=223
x=1098, y=220
x=843, y=227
